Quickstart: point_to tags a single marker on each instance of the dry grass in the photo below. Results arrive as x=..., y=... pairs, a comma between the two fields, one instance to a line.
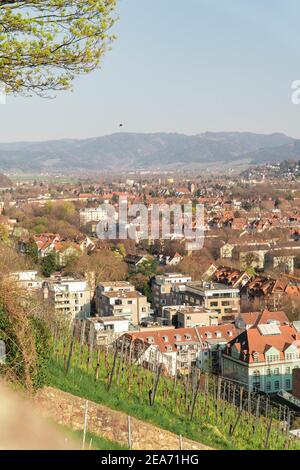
x=16, y=306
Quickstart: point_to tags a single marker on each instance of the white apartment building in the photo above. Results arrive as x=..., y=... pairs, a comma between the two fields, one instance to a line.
x=71, y=297
x=263, y=357
x=105, y=330
x=97, y=214
x=181, y=349
x=223, y=299
x=122, y=300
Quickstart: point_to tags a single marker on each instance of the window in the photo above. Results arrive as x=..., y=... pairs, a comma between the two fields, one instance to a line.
x=276, y=371
x=255, y=356
x=290, y=356
x=288, y=384
x=272, y=358
x=288, y=370
x=213, y=304
x=129, y=302
x=269, y=371
x=268, y=386
x=276, y=384
x=256, y=380
x=108, y=327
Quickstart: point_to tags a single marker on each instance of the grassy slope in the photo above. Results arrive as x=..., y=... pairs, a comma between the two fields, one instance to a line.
x=80, y=383
x=170, y=410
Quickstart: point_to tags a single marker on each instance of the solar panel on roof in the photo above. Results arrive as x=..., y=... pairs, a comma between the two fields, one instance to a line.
x=269, y=330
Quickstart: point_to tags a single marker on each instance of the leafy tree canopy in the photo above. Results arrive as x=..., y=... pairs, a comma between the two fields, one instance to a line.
x=44, y=44
x=148, y=267
x=49, y=264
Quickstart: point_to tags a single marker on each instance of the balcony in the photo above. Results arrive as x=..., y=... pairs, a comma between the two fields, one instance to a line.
x=184, y=357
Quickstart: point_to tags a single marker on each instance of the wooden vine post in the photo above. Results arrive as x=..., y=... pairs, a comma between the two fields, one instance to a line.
x=82, y=337
x=155, y=385
x=91, y=352
x=70, y=351
x=121, y=361
x=113, y=367
x=98, y=365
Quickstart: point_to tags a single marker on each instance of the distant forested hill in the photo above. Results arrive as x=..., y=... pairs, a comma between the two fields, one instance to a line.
x=123, y=151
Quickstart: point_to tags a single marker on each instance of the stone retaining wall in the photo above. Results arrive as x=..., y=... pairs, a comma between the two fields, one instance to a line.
x=69, y=410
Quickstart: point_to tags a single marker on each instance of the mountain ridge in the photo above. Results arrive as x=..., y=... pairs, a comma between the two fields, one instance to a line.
x=124, y=151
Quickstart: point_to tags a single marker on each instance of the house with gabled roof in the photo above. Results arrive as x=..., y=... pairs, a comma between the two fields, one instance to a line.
x=134, y=261
x=266, y=293
x=230, y=276
x=46, y=243
x=263, y=357
x=181, y=349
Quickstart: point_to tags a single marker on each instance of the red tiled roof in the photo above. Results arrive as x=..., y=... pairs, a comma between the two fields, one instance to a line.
x=166, y=339
x=266, y=316
x=229, y=276
x=253, y=341
x=44, y=240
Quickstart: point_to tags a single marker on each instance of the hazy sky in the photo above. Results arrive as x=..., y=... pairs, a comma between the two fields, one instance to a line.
x=179, y=66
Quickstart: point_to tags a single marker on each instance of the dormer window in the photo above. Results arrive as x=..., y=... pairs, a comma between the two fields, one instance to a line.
x=290, y=356
x=188, y=337
x=177, y=337
x=218, y=334
x=165, y=338
x=255, y=356
x=208, y=334
x=150, y=339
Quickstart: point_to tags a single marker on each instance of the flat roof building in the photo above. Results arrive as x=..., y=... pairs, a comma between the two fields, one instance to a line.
x=222, y=299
